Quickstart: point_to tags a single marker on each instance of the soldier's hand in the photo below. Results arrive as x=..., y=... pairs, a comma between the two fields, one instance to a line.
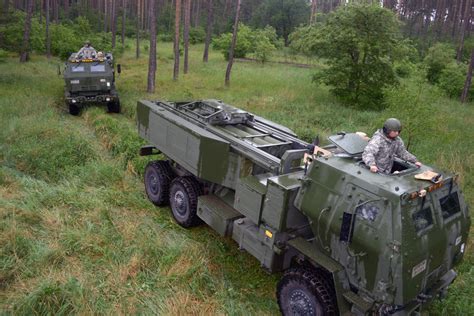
x=374, y=168
x=418, y=164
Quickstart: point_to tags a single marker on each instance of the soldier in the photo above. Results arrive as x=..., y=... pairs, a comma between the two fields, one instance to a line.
x=384, y=146
x=87, y=51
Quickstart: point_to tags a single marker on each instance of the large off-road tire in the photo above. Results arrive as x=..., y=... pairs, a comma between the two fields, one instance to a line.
x=113, y=106
x=184, y=194
x=74, y=109
x=158, y=177
x=305, y=291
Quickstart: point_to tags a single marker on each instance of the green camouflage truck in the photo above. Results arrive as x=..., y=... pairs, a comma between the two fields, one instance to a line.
x=91, y=81
x=348, y=241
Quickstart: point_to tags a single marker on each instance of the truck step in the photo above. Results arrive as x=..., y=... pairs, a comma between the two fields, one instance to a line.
x=217, y=214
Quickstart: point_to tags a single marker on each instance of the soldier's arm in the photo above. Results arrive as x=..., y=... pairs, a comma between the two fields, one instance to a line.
x=404, y=154
x=368, y=156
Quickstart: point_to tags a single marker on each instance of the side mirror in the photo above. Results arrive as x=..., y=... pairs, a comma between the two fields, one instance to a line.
x=119, y=68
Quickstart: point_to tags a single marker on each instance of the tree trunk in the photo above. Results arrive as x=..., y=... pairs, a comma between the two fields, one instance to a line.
x=205, y=57
x=124, y=7
x=48, y=37
x=25, y=47
x=113, y=24
x=187, y=17
x=232, y=46
x=152, y=56
x=197, y=13
x=6, y=6
x=177, y=20
x=467, y=84
x=313, y=11
x=466, y=19
x=137, y=54
x=66, y=9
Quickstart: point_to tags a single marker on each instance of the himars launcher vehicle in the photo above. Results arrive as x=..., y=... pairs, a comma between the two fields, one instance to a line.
x=348, y=241
x=91, y=80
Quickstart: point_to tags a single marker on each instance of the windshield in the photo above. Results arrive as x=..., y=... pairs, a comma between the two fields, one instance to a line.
x=77, y=68
x=450, y=205
x=97, y=68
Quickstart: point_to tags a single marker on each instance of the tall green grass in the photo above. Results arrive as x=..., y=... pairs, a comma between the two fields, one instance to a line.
x=77, y=234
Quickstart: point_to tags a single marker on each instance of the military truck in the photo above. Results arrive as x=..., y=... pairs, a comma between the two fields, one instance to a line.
x=347, y=240
x=91, y=80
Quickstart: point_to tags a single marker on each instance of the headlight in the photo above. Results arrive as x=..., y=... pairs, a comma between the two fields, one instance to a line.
x=108, y=84
x=102, y=80
x=74, y=81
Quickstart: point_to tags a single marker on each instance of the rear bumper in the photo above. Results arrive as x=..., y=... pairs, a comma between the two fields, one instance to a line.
x=101, y=98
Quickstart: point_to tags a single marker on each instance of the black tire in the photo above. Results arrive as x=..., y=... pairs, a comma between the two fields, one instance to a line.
x=74, y=109
x=304, y=291
x=157, y=178
x=113, y=106
x=184, y=194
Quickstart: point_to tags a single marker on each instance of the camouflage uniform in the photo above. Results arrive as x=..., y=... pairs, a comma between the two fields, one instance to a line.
x=381, y=151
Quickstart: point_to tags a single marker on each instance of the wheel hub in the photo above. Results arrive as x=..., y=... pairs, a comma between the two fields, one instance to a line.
x=153, y=184
x=180, y=203
x=300, y=303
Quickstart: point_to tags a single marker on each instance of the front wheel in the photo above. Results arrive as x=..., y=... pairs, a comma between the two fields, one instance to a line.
x=113, y=106
x=302, y=291
x=74, y=109
x=184, y=194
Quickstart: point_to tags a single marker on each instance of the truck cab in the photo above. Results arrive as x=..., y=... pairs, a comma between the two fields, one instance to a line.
x=89, y=81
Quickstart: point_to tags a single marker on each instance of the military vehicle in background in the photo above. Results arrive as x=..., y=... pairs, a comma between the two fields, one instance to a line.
x=91, y=80
x=348, y=241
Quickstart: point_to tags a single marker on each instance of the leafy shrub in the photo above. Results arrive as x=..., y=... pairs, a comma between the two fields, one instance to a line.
x=359, y=43
x=242, y=47
x=404, y=70
x=248, y=41
x=437, y=58
x=166, y=37
x=197, y=35
x=451, y=79
x=263, y=49
x=3, y=55
x=13, y=33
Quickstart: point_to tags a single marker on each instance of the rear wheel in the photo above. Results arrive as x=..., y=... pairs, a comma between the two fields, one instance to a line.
x=184, y=194
x=304, y=291
x=74, y=109
x=158, y=177
x=113, y=106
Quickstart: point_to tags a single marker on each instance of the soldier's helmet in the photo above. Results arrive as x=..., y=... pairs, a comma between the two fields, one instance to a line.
x=87, y=43
x=392, y=124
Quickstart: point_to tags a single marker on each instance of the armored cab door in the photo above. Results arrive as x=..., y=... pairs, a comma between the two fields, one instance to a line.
x=366, y=235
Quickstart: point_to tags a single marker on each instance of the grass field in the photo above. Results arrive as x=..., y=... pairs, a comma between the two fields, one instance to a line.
x=77, y=234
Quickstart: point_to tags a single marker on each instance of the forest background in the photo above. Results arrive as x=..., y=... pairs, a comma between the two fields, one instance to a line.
x=76, y=232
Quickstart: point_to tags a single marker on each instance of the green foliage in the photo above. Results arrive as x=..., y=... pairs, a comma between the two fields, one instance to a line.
x=196, y=35
x=243, y=45
x=260, y=42
x=284, y=16
x=66, y=38
x=3, y=55
x=360, y=44
x=437, y=58
x=452, y=78
x=12, y=33
x=412, y=102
